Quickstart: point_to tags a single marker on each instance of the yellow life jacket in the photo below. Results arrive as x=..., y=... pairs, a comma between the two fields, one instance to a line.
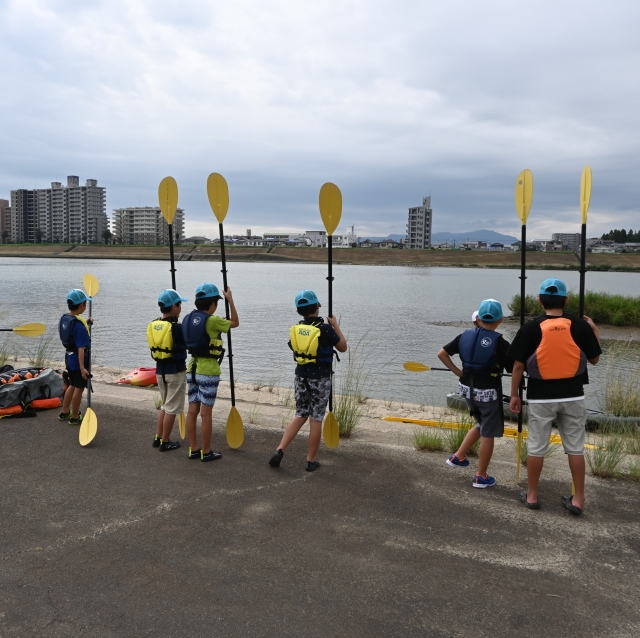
x=304, y=338
x=160, y=339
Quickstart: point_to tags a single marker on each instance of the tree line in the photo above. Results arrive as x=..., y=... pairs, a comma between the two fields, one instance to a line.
x=622, y=236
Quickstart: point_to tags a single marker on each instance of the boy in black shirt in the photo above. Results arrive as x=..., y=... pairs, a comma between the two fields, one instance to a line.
x=554, y=349
x=484, y=355
x=312, y=341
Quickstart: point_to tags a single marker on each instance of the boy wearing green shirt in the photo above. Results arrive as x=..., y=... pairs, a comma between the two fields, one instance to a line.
x=202, y=330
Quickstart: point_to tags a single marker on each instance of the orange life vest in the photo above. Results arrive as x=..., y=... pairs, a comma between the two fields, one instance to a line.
x=558, y=355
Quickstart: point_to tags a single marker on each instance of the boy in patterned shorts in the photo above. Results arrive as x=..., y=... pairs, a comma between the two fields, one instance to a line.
x=312, y=341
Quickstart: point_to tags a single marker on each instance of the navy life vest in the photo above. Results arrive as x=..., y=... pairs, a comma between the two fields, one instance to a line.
x=478, y=350
x=197, y=340
x=304, y=340
x=65, y=330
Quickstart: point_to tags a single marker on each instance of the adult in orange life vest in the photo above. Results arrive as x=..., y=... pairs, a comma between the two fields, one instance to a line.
x=554, y=349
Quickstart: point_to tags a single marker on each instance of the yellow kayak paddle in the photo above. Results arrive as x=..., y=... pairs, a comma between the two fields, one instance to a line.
x=89, y=425
x=27, y=329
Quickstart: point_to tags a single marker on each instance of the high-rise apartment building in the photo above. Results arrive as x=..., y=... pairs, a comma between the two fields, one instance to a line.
x=146, y=225
x=571, y=240
x=67, y=214
x=5, y=221
x=419, y=225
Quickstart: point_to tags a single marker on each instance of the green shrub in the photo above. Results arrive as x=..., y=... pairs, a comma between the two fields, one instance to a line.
x=425, y=439
x=608, y=453
x=348, y=406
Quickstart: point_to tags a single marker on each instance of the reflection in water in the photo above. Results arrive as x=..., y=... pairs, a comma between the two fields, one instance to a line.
x=398, y=313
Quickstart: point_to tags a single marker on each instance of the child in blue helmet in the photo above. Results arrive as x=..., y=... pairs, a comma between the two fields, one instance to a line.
x=165, y=339
x=312, y=341
x=202, y=330
x=74, y=331
x=483, y=353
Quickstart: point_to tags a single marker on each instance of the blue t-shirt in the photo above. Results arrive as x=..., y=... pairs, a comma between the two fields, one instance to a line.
x=81, y=339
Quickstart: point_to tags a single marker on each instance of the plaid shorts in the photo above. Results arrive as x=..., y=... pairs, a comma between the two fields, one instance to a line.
x=204, y=390
x=312, y=396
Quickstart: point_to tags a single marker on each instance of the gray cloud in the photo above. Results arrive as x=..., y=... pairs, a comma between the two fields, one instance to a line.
x=390, y=100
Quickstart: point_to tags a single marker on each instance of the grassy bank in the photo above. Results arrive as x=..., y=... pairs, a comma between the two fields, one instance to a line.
x=602, y=307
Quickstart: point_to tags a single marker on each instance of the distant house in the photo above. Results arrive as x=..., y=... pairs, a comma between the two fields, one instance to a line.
x=632, y=247
x=368, y=243
x=496, y=246
x=473, y=245
x=601, y=248
x=390, y=243
x=197, y=239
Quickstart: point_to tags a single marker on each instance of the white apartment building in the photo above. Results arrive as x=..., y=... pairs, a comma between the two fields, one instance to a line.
x=67, y=214
x=570, y=240
x=419, y=225
x=146, y=225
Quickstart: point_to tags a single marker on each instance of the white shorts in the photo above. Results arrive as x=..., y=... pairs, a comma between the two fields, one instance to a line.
x=173, y=392
x=571, y=417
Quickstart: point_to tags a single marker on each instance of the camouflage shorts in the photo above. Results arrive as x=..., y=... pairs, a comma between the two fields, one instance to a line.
x=312, y=396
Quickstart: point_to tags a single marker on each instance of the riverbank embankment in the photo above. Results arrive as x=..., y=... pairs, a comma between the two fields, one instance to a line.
x=619, y=262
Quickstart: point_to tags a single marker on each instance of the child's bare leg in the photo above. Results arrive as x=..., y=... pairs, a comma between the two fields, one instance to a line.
x=167, y=426
x=192, y=417
x=315, y=433
x=290, y=433
x=75, y=402
x=486, y=451
x=207, y=427
x=159, y=423
x=473, y=436
x=68, y=395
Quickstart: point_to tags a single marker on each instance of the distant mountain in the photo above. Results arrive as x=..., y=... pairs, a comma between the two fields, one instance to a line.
x=474, y=235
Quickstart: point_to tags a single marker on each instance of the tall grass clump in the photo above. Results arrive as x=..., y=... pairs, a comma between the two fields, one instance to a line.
x=348, y=407
x=634, y=470
x=5, y=352
x=622, y=384
x=41, y=354
x=426, y=439
x=453, y=437
x=602, y=307
x=608, y=452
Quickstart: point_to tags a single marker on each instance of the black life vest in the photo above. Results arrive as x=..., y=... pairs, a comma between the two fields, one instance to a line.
x=65, y=330
x=197, y=340
x=478, y=350
x=304, y=340
x=160, y=339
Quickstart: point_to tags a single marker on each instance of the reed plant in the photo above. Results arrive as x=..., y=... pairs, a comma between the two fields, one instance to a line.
x=5, y=351
x=41, y=353
x=157, y=400
x=348, y=407
x=427, y=439
x=621, y=394
x=254, y=413
x=453, y=437
x=634, y=470
x=608, y=451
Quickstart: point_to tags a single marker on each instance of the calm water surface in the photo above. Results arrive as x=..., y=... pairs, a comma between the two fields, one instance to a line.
x=396, y=314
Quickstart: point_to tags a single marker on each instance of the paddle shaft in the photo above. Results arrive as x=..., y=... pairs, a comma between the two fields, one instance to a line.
x=330, y=280
x=89, y=364
x=523, y=277
x=447, y=370
x=583, y=259
x=228, y=313
x=173, y=269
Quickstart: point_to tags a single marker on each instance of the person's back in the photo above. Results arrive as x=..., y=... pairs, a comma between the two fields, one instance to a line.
x=554, y=349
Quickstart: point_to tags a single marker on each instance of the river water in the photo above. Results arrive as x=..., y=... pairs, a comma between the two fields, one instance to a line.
x=393, y=314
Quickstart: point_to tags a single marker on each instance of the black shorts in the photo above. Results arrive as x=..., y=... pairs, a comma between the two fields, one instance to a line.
x=75, y=379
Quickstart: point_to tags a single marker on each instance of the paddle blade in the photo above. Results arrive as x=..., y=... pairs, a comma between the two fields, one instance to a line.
x=330, y=432
x=330, y=202
x=168, y=198
x=414, y=366
x=524, y=194
x=182, y=426
x=585, y=192
x=91, y=285
x=218, y=192
x=235, y=429
x=88, y=428
x=31, y=329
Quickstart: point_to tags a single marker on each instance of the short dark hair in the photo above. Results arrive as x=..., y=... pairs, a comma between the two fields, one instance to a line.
x=165, y=309
x=552, y=302
x=205, y=304
x=307, y=311
x=73, y=306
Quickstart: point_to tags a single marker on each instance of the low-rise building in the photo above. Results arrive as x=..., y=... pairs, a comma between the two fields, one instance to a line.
x=570, y=240
x=473, y=245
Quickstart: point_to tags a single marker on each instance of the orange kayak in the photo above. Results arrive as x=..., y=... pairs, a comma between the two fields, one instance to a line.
x=140, y=376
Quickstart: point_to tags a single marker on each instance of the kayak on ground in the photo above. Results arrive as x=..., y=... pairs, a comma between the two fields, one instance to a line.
x=140, y=376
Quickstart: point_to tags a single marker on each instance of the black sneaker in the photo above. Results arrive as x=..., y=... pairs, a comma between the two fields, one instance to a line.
x=74, y=421
x=156, y=441
x=276, y=458
x=64, y=416
x=312, y=466
x=195, y=454
x=166, y=446
x=211, y=456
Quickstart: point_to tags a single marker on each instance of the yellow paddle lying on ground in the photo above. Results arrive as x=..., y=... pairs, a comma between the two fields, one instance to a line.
x=27, y=329
x=330, y=202
x=218, y=193
x=89, y=425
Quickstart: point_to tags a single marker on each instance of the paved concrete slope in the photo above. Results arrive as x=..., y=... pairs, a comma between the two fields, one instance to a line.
x=120, y=540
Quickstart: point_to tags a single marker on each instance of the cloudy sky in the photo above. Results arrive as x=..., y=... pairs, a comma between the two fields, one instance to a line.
x=390, y=99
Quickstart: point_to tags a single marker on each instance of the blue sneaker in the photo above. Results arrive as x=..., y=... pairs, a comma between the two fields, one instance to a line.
x=454, y=461
x=484, y=481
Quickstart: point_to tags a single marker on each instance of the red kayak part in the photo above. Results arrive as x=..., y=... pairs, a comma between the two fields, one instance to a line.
x=140, y=376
